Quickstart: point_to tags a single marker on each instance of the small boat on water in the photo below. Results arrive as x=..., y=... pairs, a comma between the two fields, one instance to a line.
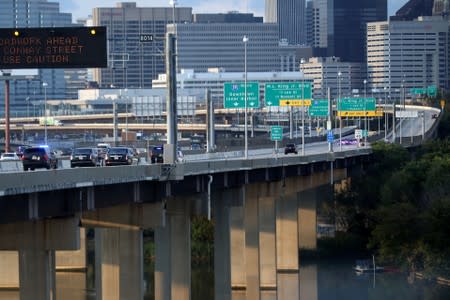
x=367, y=266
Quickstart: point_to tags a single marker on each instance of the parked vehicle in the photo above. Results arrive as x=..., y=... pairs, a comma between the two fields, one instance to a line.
x=39, y=157
x=290, y=148
x=85, y=157
x=156, y=154
x=120, y=156
x=9, y=156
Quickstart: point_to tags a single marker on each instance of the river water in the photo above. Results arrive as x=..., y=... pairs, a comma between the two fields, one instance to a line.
x=319, y=280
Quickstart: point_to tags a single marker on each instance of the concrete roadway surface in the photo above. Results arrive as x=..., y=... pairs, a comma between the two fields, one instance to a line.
x=405, y=127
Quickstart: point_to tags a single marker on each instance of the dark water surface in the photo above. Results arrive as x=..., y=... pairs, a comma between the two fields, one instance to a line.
x=322, y=280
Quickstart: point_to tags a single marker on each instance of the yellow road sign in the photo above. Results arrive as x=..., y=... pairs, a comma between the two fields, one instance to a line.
x=360, y=113
x=305, y=102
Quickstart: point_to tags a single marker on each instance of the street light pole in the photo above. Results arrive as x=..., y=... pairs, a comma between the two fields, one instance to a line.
x=44, y=84
x=245, y=40
x=385, y=115
x=126, y=115
x=338, y=109
x=366, y=133
x=173, y=3
x=302, y=61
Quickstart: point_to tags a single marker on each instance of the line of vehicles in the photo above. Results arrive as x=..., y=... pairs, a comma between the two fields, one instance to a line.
x=37, y=157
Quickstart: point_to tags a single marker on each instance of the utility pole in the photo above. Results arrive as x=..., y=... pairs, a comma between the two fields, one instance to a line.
x=170, y=149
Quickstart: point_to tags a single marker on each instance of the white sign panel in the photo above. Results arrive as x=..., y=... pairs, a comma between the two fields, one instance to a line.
x=406, y=114
x=358, y=133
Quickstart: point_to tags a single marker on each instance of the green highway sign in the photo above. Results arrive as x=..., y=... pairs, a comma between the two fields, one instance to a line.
x=274, y=92
x=430, y=91
x=276, y=133
x=357, y=104
x=318, y=108
x=234, y=95
x=418, y=91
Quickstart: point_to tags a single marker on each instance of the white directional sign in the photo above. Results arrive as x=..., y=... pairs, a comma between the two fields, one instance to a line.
x=406, y=114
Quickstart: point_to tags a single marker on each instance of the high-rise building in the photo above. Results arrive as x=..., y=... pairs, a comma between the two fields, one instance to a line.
x=230, y=17
x=331, y=73
x=408, y=54
x=339, y=26
x=441, y=7
x=134, y=63
x=320, y=25
x=413, y=9
x=201, y=46
x=290, y=17
x=38, y=13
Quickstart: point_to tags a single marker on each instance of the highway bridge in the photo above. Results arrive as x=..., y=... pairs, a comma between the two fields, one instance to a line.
x=263, y=206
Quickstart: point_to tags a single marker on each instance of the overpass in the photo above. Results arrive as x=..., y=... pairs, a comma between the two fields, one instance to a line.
x=264, y=210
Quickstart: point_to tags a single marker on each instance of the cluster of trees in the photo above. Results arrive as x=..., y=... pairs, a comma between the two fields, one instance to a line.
x=401, y=207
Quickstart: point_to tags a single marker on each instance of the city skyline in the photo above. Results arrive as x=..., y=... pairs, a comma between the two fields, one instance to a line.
x=81, y=9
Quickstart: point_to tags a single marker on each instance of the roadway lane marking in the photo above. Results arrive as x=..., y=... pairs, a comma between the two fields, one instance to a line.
x=84, y=184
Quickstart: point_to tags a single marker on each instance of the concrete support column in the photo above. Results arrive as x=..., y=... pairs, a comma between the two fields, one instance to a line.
x=307, y=220
x=287, y=233
x=119, y=264
x=37, y=274
x=131, y=265
x=73, y=260
x=9, y=260
x=107, y=281
x=173, y=252
x=223, y=203
x=288, y=286
x=237, y=249
x=308, y=283
x=267, y=242
x=251, y=226
x=36, y=242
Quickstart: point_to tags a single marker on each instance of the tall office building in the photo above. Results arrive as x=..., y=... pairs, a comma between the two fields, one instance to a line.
x=331, y=73
x=37, y=13
x=441, y=7
x=413, y=9
x=291, y=18
x=319, y=25
x=230, y=17
x=201, y=46
x=133, y=63
x=408, y=54
x=339, y=26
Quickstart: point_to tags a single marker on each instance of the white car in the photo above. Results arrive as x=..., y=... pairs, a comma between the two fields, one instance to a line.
x=9, y=156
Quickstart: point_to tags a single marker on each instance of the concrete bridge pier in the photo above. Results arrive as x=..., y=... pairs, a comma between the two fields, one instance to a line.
x=258, y=243
x=225, y=204
x=36, y=243
x=173, y=251
x=37, y=274
x=119, y=261
x=119, y=247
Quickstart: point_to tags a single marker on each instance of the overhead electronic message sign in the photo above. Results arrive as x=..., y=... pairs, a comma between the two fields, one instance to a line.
x=53, y=47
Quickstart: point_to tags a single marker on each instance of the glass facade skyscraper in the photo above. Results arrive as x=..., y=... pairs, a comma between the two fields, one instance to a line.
x=338, y=27
x=132, y=63
x=290, y=16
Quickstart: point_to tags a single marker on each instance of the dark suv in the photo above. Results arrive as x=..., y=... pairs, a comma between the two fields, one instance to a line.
x=84, y=157
x=157, y=154
x=290, y=148
x=120, y=156
x=38, y=157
